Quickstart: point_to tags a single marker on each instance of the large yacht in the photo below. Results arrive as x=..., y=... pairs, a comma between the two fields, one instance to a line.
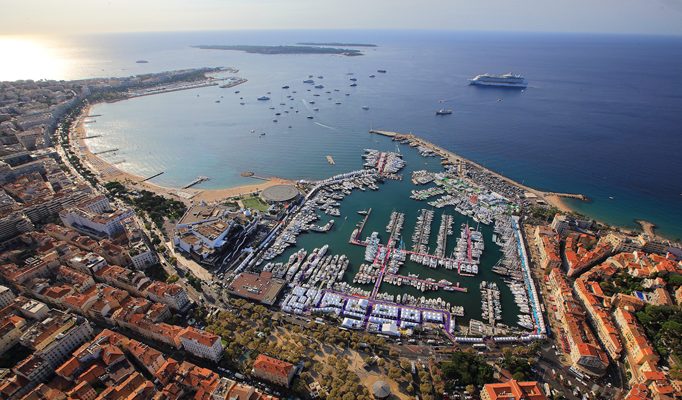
x=506, y=80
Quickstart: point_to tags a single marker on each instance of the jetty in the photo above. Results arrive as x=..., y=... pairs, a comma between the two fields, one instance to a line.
x=105, y=151
x=233, y=83
x=152, y=177
x=330, y=160
x=450, y=157
x=196, y=181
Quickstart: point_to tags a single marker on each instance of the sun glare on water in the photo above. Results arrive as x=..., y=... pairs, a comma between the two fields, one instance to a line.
x=29, y=58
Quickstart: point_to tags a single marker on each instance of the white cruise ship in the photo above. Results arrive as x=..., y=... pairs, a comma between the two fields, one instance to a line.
x=506, y=80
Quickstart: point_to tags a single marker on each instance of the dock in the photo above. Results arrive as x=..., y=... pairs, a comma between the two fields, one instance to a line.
x=105, y=151
x=330, y=160
x=152, y=177
x=91, y=136
x=356, y=239
x=196, y=181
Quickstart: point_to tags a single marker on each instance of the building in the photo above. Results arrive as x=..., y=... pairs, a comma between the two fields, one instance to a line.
x=170, y=294
x=200, y=343
x=273, y=370
x=96, y=218
x=548, y=245
x=6, y=296
x=512, y=390
x=583, y=251
x=11, y=329
x=260, y=287
x=381, y=390
x=560, y=223
x=583, y=348
x=57, y=336
x=622, y=243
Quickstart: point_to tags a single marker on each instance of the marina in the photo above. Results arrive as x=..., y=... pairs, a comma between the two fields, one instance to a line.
x=380, y=281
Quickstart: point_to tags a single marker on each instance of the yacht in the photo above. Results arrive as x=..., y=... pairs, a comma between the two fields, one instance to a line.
x=506, y=80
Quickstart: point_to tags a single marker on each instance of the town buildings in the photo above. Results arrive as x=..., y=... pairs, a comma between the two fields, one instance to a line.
x=273, y=370
x=512, y=390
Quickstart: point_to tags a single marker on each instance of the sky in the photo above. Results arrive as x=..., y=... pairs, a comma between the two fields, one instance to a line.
x=101, y=16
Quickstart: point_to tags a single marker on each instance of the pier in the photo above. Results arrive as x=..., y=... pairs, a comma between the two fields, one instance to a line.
x=233, y=83
x=330, y=160
x=196, y=181
x=152, y=177
x=105, y=151
x=440, y=285
x=355, y=240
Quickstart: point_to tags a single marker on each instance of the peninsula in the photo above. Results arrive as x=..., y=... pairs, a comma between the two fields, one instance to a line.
x=337, y=44
x=282, y=49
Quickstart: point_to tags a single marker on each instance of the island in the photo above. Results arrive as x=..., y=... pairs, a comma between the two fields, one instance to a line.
x=336, y=44
x=282, y=49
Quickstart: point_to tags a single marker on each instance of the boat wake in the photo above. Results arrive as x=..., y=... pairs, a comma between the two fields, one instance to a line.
x=326, y=126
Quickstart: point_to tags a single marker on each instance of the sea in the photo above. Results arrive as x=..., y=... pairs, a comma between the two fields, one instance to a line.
x=602, y=114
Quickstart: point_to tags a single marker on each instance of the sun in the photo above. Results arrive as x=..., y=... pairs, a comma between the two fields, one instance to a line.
x=29, y=58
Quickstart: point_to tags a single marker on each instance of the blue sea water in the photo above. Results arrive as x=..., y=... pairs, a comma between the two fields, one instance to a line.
x=602, y=115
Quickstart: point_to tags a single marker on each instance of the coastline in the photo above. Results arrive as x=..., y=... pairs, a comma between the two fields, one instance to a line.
x=109, y=172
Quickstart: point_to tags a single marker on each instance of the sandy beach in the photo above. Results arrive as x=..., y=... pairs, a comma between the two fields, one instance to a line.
x=108, y=172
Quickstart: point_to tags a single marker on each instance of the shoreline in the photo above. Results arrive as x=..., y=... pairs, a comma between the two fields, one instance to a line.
x=110, y=172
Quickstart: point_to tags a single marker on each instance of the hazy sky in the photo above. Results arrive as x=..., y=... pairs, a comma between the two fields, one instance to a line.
x=86, y=16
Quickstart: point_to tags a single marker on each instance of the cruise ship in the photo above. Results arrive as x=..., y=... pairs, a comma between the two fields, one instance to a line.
x=506, y=80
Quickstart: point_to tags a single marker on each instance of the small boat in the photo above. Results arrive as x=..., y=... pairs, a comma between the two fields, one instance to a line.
x=381, y=71
x=262, y=134
x=611, y=197
x=263, y=98
x=309, y=81
x=274, y=120
x=443, y=111
x=285, y=87
x=316, y=109
x=362, y=212
x=353, y=79
x=353, y=84
x=217, y=101
x=365, y=107
x=253, y=130
x=319, y=86
x=309, y=117
x=236, y=92
x=372, y=76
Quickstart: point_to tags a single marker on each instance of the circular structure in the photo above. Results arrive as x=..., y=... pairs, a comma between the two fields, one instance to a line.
x=279, y=193
x=381, y=390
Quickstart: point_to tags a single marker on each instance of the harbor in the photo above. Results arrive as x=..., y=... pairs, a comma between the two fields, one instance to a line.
x=447, y=257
